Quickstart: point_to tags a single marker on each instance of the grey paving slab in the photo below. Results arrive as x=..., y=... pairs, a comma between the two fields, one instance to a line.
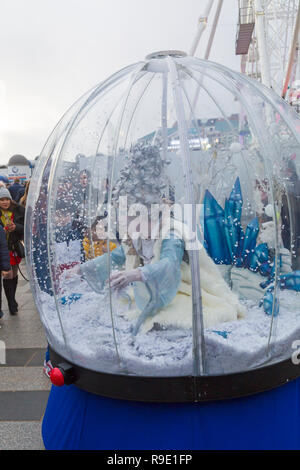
x=37, y=359
x=25, y=301
x=23, y=405
x=24, y=330
x=21, y=436
x=23, y=379
x=24, y=389
x=24, y=357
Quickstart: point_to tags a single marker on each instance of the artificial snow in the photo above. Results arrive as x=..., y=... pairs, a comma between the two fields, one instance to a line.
x=87, y=334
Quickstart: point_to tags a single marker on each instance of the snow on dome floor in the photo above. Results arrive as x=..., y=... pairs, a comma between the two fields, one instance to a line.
x=165, y=351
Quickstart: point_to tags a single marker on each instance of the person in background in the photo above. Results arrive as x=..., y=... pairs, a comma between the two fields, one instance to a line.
x=12, y=220
x=39, y=237
x=81, y=193
x=95, y=242
x=15, y=188
x=4, y=181
x=290, y=212
x=4, y=262
x=68, y=253
x=67, y=242
x=21, y=192
x=23, y=198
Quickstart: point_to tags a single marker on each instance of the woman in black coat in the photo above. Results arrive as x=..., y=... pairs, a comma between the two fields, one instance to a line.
x=12, y=220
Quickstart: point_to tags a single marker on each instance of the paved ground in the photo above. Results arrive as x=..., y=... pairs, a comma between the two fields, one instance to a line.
x=24, y=388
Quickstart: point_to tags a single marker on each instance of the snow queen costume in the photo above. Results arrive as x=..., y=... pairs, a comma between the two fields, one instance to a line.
x=155, y=273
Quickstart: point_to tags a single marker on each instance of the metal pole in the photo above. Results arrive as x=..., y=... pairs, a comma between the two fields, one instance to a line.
x=213, y=31
x=198, y=328
x=202, y=23
x=211, y=38
x=261, y=39
x=292, y=54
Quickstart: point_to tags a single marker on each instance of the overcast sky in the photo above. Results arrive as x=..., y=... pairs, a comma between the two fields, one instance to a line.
x=52, y=51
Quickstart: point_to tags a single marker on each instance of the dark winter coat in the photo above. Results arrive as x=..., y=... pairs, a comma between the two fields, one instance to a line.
x=4, y=253
x=14, y=190
x=19, y=215
x=20, y=193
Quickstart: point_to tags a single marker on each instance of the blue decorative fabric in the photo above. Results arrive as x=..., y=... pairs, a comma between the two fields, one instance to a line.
x=78, y=420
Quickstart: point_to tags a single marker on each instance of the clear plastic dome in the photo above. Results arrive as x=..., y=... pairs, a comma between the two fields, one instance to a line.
x=163, y=224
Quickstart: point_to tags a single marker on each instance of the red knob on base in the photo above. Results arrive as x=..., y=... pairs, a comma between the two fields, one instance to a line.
x=57, y=377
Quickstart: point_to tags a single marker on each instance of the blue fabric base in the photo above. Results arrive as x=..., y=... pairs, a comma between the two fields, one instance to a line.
x=78, y=420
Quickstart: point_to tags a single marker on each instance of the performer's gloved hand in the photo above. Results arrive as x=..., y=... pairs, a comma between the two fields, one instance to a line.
x=121, y=279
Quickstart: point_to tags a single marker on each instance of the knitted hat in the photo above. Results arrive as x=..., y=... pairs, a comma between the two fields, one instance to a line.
x=4, y=193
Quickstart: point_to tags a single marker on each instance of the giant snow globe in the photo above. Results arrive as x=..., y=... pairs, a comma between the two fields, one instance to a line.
x=163, y=235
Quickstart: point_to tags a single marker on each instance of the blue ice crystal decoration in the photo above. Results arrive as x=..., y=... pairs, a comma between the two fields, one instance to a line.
x=69, y=299
x=227, y=243
x=224, y=334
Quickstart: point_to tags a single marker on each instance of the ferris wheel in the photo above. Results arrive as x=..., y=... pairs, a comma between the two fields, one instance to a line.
x=267, y=41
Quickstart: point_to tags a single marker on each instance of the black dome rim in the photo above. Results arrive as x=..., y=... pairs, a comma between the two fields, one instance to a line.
x=181, y=389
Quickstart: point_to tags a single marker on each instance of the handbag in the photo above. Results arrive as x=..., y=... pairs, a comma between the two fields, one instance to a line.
x=19, y=249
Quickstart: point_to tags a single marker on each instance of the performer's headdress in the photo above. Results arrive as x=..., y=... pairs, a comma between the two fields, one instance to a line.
x=142, y=179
